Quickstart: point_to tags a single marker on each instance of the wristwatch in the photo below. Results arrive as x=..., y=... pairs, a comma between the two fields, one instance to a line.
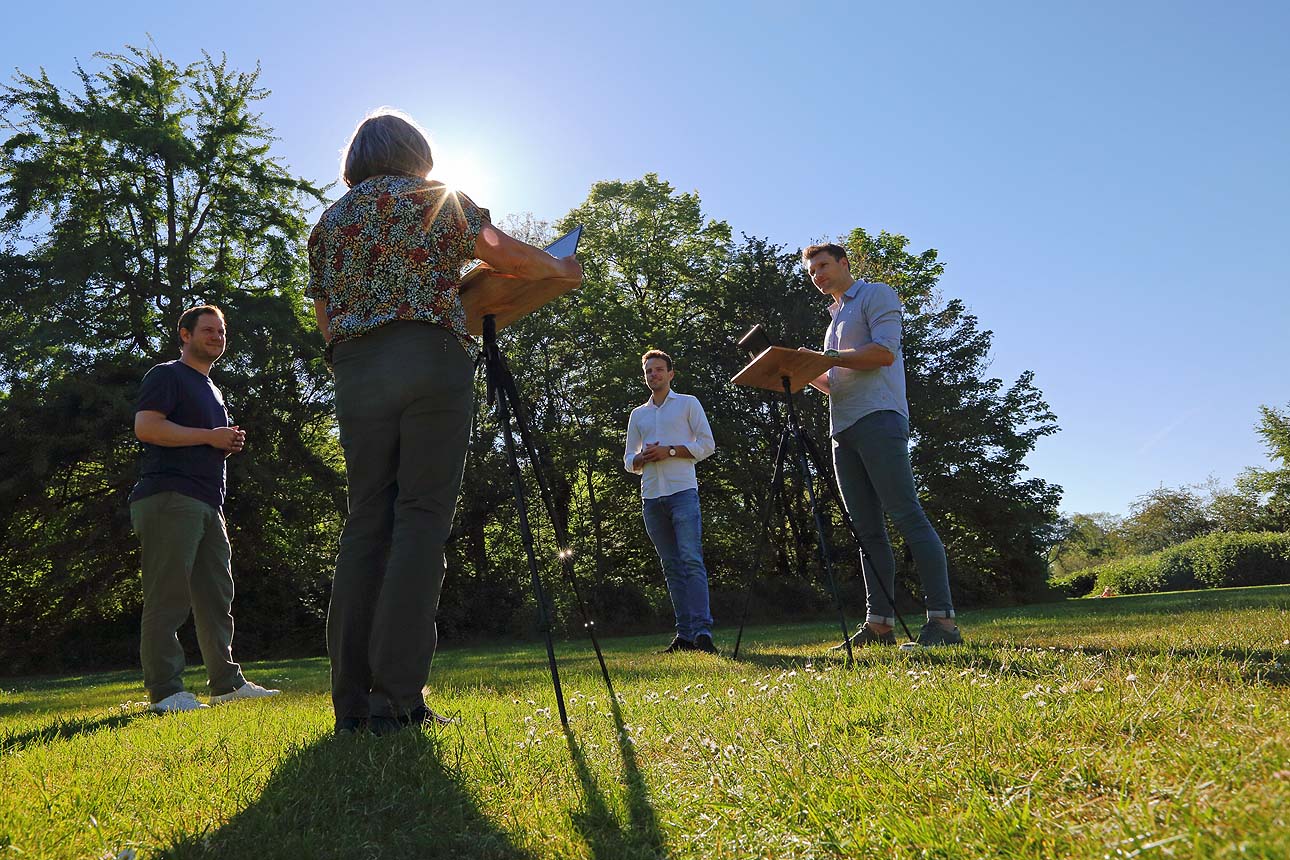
x=671, y=452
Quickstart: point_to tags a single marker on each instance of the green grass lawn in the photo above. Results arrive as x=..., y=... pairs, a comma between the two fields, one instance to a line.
x=1149, y=726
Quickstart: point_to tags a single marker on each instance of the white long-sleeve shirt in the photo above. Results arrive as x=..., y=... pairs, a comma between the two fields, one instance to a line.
x=678, y=420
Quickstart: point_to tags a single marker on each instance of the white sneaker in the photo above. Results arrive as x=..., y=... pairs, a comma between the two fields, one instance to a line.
x=249, y=690
x=177, y=703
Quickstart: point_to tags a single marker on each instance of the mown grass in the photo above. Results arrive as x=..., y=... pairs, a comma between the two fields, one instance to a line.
x=1148, y=726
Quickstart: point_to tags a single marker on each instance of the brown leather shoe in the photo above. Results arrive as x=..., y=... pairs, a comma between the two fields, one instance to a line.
x=866, y=636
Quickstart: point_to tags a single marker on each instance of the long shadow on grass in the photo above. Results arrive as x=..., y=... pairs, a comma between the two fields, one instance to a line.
x=608, y=838
x=12, y=742
x=356, y=797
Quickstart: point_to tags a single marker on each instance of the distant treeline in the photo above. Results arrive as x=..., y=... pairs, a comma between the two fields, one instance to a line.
x=1179, y=535
x=151, y=187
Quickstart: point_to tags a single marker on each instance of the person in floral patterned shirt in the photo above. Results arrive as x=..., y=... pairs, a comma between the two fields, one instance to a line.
x=384, y=265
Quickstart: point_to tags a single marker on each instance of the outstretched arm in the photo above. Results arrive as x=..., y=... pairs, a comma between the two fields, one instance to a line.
x=512, y=257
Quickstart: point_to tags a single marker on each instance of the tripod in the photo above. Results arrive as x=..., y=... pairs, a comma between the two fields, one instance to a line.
x=795, y=429
x=503, y=391
x=806, y=450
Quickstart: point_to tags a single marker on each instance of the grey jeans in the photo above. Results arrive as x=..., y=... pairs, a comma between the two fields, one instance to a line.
x=872, y=462
x=187, y=564
x=404, y=402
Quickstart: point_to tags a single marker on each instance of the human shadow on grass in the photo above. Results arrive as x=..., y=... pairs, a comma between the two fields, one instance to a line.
x=13, y=741
x=360, y=796
x=605, y=835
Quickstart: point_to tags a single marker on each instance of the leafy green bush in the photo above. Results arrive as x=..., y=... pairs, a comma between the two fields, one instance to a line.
x=1242, y=558
x=1076, y=583
x=1216, y=560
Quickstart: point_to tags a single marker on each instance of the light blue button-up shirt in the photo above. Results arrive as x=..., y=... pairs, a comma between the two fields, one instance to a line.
x=867, y=313
x=678, y=420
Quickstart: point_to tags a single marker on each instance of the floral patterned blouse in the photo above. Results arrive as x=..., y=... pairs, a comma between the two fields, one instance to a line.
x=392, y=249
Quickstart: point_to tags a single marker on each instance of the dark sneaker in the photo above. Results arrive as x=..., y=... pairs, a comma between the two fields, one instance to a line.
x=934, y=634
x=382, y=726
x=703, y=642
x=679, y=644
x=421, y=717
x=350, y=725
x=866, y=636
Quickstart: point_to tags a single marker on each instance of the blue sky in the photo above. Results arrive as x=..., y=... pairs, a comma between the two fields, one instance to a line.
x=1107, y=182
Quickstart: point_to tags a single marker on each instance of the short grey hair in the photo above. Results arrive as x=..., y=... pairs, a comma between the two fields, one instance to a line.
x=386, y=142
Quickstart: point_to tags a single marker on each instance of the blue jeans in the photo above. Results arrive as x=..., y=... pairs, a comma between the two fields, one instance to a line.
x=872, y=462
x=674, y=525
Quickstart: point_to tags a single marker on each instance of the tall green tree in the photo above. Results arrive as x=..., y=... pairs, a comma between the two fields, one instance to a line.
x=1086, y=540
x=1272, y=486
x=145, y=189
x=1164, y=517
x=971, y=432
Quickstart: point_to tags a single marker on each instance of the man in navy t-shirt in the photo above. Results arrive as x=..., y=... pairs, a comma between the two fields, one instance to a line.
x=176, y=509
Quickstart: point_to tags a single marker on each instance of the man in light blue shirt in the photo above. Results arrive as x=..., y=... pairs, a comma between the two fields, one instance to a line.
x=666, y=436
x=869, y=423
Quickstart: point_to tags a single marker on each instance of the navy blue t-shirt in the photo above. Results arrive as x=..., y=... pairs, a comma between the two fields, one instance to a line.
x=188, y=398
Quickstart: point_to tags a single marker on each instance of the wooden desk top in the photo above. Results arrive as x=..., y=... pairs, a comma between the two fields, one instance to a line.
x=768, y=369
x=507, y=297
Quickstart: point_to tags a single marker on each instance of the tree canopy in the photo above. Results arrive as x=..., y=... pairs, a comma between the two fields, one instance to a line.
x=148, y=189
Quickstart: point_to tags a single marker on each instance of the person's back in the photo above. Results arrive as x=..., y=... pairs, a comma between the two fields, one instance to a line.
x=391, y=249
x=384, y=263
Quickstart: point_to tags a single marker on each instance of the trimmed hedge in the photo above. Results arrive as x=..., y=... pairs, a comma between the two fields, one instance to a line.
x=1075, y=584
x=1216, y=560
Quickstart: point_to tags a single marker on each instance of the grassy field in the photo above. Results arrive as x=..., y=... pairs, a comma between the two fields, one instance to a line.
x=1148, y=726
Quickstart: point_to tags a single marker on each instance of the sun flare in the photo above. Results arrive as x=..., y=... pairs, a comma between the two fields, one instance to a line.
x=460, y=171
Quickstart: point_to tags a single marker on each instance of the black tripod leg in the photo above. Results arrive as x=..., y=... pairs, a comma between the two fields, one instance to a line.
x=831, y=483
x=805, y=470
x=557, y=522
x=780, y=455
x=496, y=369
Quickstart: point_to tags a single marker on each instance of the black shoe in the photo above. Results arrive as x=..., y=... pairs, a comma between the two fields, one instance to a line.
x=703, y=642
x=420, y=717
x=382, y=726
x=351, y=725
x=679, y=644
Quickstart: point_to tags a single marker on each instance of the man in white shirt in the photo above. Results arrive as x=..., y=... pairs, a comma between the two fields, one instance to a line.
x=666, y=436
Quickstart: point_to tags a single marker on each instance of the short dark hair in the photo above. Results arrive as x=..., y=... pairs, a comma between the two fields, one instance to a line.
x=834, y=250
x=188, y=321
x=656, y=353
x=387, y=143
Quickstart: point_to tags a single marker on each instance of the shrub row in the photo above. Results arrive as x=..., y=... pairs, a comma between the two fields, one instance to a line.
x=1216, y=560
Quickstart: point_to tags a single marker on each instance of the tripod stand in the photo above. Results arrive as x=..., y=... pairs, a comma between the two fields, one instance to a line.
x=503, y=391
x=807, y=450
x=794, y=428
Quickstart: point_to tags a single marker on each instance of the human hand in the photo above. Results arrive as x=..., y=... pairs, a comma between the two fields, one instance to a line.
x=227, y=439
x=572, y=268
x=653, y=452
